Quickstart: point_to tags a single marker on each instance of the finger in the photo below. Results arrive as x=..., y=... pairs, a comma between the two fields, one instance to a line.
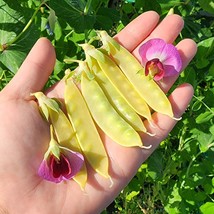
x=34, y=72
x=168, y=30
x=136, y=31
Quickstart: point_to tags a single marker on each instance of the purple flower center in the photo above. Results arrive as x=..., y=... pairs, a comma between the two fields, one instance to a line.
x=155, y=68
x=60, y=167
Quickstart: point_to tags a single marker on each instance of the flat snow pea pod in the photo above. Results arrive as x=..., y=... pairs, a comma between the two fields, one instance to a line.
x=85, y=129
x=118, y=79
x=134, y=71
x=117, y=101
x=106, y=116
x=63, y=129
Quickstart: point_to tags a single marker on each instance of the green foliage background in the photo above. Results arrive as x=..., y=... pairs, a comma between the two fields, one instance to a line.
x=179, y=176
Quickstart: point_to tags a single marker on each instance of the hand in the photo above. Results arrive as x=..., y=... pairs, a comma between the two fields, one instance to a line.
x=25, y=135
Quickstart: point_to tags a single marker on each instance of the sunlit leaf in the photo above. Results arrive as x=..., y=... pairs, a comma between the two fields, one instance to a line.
x=131, y=195
x=204, y=117
x=207, y=208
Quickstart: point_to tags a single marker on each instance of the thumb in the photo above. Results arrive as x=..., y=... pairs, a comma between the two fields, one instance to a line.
x=34, y=71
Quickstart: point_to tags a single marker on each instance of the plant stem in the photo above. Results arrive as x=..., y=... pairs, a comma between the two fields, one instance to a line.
x=191, y=162
x=26, y=26
x=204, y=104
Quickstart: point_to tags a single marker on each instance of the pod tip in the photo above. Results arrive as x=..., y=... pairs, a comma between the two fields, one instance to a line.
x=146, y=147
x=111, y=182
x=151, y=134
x=177, y=118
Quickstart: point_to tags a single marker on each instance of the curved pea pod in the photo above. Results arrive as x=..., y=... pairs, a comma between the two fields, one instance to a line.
x=106, y=116
x=63, y=129
x=118, y=79
x=134, y=71
x=85, y=129
x=117, y=101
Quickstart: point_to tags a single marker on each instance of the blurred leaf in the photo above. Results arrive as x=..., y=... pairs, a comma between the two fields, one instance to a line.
x=155, y=166
x=151, y=5
x=207, y=208
x=204, y=117
x=105, y=18
x=51, y=21
x=205, y=140
x=189, y=76
x=207, y=5
x=131, y=195
x=205, y=50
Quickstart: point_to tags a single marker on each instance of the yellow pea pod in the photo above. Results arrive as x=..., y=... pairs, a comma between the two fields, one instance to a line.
x=85, y=129
x=106, y=116
x=67, y=138
x=63, y=130
x=118, y=79
x=117, y=101
x=134, y=71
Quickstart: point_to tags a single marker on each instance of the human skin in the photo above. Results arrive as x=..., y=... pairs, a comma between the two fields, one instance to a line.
x=25, y=135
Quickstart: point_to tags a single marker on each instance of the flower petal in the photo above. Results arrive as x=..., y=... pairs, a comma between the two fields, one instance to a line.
x=172, y=63
x=152, y=49
x=45, y=172
x=75, y=160
x=166, y=53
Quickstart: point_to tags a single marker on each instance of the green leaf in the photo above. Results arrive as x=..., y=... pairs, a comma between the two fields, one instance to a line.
x=12, y=59
x=52, y=20
x=207, y=208
x=189, y=76
x=155, y=166
x=152, y=5
x=106, y=17
x=205, y=141
x=211, y=129
x=205, y=51
x=173, y=201
x=204, y=117
x=131, y=195
x=73, y=12
x=207, y=5
x=12, y=23
x=12, y=19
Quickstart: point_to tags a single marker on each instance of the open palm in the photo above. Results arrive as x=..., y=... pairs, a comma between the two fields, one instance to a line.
x=25, y=135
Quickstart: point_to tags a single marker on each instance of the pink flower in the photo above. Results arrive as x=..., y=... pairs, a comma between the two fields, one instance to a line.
x=160, y=59
x=60, y=163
